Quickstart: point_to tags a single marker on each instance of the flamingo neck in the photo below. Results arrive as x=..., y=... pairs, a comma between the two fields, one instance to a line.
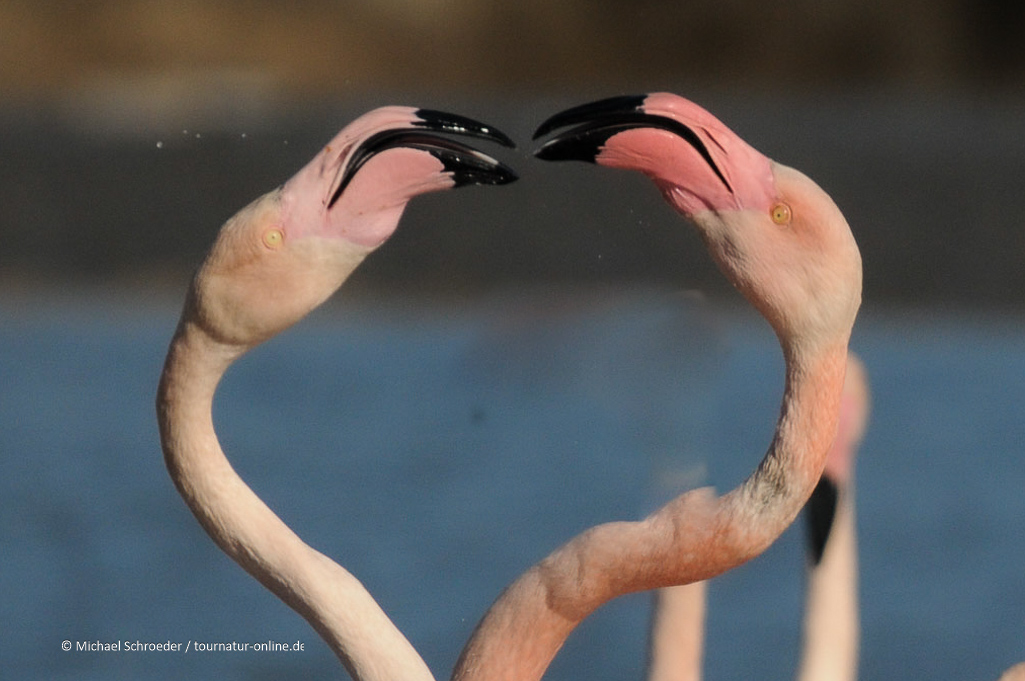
x=331, y=599
x=830, y=627
x=677, y=636
x=692, y=538
x=769, y=501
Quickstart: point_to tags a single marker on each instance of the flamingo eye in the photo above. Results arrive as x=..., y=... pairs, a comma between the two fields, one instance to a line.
x=273, y=239
x=781, y=214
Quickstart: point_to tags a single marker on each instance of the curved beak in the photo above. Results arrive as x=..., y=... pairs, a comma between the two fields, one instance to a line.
x=696, y=161
x=420, y=131
x=598, y=121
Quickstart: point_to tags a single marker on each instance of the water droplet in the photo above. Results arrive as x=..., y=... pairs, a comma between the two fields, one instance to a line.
x=160, y=145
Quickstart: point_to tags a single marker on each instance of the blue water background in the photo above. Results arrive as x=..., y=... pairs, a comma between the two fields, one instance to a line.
x=437, y=449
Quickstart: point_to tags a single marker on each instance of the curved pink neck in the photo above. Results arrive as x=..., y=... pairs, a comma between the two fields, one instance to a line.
x=325, y=594
x=694, y=537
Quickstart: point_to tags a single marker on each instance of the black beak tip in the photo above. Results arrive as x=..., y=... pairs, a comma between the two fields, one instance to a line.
x=506, y=175
x=497, y=175
x=589, y=111
x=501, y=138
x=467, y=166
x=569, y=149
x=443, y=121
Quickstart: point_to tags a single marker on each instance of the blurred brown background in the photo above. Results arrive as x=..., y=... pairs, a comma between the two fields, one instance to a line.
x=130, y=130
x=323, y=46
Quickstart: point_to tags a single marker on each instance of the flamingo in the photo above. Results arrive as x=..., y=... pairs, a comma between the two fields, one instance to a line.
x=271, y=264
x=831, y=615
x=787, y=248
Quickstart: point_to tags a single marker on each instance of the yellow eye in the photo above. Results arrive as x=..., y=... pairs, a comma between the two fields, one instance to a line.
x=781, y=214
x=273, y=239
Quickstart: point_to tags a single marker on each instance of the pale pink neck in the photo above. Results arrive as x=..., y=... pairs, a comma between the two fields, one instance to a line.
x=831, y=623
x=324, y=593
x=677, y=638
x=767, y=502
x=694, y=537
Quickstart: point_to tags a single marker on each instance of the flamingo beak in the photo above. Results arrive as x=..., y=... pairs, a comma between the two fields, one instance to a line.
x=820, y=515
x=599, y=121
x=466, y=164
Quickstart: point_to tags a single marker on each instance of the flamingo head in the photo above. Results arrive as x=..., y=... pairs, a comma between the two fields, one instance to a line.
x=289, y=250
x=774, y=233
